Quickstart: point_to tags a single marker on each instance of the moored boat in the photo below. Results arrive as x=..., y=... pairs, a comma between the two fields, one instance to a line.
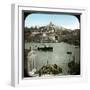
x=45, y=48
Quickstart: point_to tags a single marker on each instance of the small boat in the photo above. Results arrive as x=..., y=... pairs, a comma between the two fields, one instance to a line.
x=45, y=48
x=69, y=52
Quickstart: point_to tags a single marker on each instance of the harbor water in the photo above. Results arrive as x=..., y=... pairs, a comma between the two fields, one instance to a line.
x=58, y=56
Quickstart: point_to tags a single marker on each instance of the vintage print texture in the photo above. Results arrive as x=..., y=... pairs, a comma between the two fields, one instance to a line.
x=51, y=44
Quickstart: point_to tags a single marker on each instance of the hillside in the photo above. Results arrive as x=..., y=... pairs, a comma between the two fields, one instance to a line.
x=52, y=34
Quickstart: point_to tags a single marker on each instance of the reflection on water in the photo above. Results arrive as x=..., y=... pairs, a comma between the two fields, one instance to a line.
x=58, y=56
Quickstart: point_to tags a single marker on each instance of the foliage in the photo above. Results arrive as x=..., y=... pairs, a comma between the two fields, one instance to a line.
x=49, y=69
x=74, y=68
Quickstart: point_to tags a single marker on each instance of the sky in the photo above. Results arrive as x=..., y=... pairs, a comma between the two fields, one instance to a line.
x=40, y=19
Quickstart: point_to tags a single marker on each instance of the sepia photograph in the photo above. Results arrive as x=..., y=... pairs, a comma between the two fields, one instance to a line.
x=51, y=44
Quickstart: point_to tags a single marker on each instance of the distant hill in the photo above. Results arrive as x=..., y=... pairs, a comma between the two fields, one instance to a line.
x=52, y=34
